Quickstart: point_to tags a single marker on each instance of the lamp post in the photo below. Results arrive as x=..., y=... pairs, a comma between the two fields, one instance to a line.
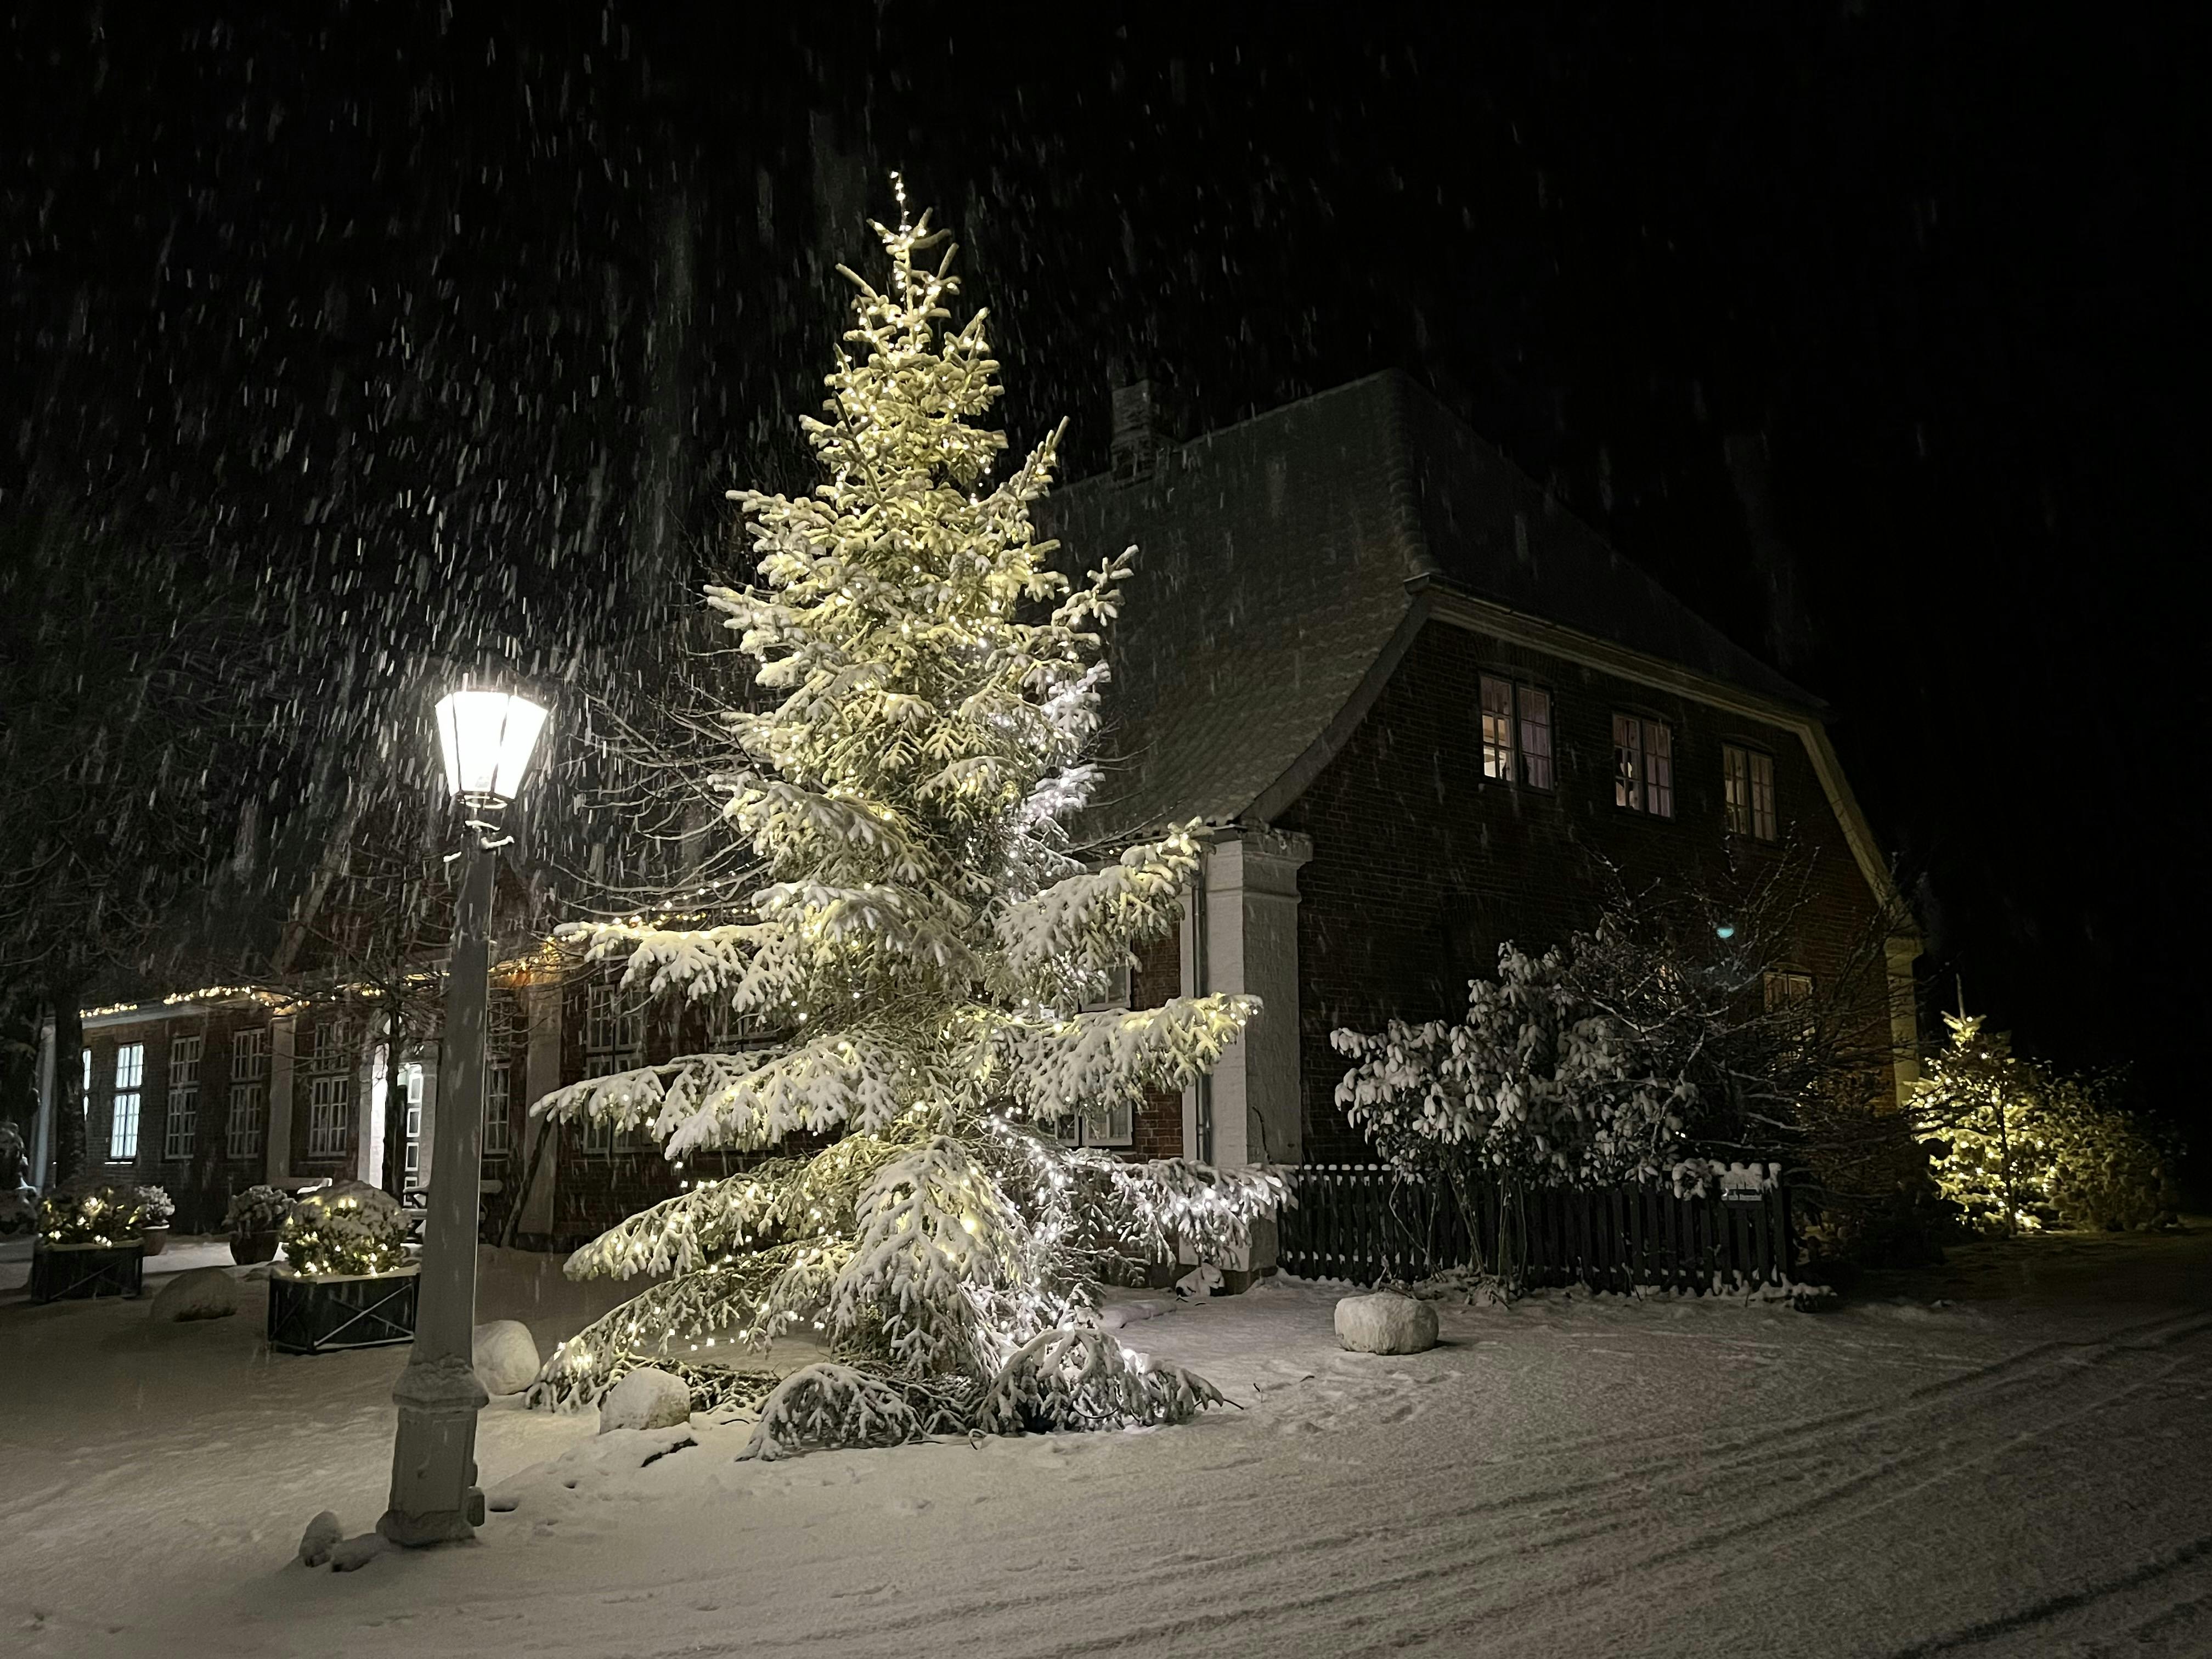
x=486, y=737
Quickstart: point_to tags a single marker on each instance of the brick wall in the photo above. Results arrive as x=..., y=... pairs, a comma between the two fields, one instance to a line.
x=1422, y=867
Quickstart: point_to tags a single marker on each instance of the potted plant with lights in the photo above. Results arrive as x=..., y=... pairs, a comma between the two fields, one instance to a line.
x=156, y=1209
x=346, y=1280
x=254, y=1219
x=88, y=1242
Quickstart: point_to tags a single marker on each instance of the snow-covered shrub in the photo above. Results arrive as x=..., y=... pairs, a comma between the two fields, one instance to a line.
x=1534, y=1086
x=155, y=1207
x=917, y=945
x=258, y=1210
x=347, y=1228
x=1085, y=1379
x=90, y=1211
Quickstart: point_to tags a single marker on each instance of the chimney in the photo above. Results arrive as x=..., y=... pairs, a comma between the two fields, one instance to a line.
x=1136, y=445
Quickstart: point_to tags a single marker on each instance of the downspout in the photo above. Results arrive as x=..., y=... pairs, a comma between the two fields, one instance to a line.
x=1205, y=1090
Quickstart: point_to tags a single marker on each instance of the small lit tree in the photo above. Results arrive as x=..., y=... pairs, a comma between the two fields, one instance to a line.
x=923, y=942
x=1973, y=1106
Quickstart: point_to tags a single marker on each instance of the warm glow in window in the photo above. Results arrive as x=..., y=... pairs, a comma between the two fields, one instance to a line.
x=1517, y=732
x=1747, y=785
x=1643, y=765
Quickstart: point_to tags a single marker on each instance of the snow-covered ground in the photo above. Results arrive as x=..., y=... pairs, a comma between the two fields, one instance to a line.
x=2011, y=1456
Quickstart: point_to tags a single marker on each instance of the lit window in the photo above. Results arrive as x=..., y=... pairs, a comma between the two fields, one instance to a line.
x=1497, y=729
x=122, y=1120
x=1643, y=765
x=1786, y=989
x=1748, y=783
x=180, y=1130
x=1517, y=732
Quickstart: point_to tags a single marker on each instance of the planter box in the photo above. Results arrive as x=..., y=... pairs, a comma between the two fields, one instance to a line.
x=61, y=1271
x=314, y=1315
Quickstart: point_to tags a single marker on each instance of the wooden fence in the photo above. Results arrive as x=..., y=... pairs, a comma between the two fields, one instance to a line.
x=1367, y=1223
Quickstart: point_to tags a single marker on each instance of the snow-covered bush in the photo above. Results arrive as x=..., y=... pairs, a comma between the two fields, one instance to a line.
x=1532, y=1086
x=919, y=941
x=155, y=1207
x=258, y=1210
x=90, y=1211
x=347, y=1228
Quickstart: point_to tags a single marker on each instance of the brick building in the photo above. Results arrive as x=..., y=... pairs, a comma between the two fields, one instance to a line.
x=1420, y=702
x=1416, y=700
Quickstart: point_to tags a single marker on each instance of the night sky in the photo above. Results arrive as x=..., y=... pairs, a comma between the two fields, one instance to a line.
x=1873, y=329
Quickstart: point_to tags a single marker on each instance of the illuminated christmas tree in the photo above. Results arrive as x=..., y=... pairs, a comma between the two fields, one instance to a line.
x=923, y=942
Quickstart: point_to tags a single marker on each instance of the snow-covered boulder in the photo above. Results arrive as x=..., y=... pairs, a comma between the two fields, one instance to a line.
x=355, y=1553
x=646, y=1399
x=1200, y=1282
x=505, y=1355
x=323, y=1535
x=1385, y=1322
x=197, y=1293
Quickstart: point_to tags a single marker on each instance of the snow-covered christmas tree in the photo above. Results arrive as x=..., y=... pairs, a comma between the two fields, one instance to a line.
x=924, y=941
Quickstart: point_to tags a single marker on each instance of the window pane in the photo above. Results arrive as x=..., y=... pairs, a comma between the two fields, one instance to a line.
x=495, y=1126
x=184, y=1061
x=1762, y=797
x=1735, y=788
x=1536, y=736
x=1497, y=728
x=1659, y=769
x=1628, y=762
x=249, y=1055
x=129, y=1065
x=180, y=1131
x=249, y=1120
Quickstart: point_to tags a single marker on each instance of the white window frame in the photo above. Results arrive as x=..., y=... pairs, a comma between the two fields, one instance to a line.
x=614, y=1041
x=1643, y=764
x=498, y=1130
x=125, y=1094
x=330, y=1116
x=331, y=1103
x=411, y=1092
x=246, y=1134
x=181, y=1129
x=1112, y=1128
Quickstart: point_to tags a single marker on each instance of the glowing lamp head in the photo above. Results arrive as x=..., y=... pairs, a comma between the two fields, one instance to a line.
x=486, y=737
x=1725, y=930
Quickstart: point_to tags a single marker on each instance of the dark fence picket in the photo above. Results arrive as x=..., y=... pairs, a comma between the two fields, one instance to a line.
x=1367, y=1223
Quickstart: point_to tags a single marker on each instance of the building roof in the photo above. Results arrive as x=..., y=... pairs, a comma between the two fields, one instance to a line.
x=1272, y=589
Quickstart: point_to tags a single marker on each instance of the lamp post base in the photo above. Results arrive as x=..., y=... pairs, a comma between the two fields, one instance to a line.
x=434, y=1497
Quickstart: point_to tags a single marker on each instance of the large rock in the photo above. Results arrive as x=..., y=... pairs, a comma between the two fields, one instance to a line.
x=1385, y=1322
x=197, y=1293
x=646, y=1399
x=505, y=1355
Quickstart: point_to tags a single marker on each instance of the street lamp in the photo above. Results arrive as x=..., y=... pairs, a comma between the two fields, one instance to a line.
x=486, y=737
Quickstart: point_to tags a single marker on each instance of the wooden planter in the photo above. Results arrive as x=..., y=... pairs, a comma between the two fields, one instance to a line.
x=315, y=1316
x=63, y=1272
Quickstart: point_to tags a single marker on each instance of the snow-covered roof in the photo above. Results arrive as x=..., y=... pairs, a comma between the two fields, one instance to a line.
x=1273, y=559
